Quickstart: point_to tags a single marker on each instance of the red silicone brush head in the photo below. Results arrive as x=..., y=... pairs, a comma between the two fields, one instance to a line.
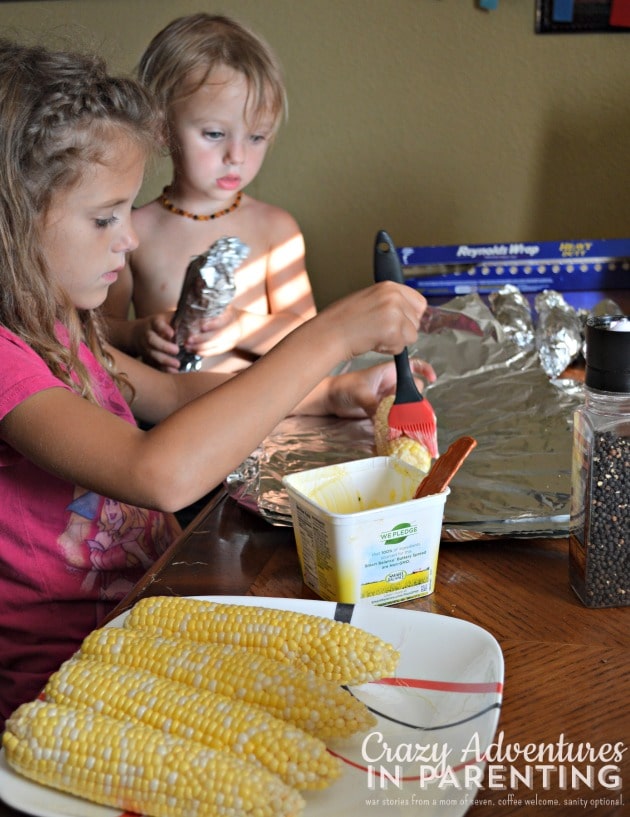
x=416, y=420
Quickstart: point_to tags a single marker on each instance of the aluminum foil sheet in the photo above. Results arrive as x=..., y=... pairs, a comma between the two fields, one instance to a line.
x=515, y=483
x=207, y=290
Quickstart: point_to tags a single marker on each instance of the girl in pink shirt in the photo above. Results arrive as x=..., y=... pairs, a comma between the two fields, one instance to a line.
x=86, y=495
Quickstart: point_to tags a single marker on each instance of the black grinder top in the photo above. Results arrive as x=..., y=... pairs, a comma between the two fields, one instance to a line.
x=608, y=353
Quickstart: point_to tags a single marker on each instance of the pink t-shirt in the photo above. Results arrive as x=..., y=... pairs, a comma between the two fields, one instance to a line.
x=67, y=555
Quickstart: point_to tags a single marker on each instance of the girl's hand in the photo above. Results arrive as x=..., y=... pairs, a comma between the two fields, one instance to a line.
x=218, y=335
x=383, y=318
x=358, y=393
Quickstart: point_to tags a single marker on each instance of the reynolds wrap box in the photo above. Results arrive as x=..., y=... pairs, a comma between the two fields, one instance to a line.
x=584, y=271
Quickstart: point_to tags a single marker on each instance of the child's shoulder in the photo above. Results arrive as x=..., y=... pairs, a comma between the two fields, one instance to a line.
x=269, y=217
x=148, y=216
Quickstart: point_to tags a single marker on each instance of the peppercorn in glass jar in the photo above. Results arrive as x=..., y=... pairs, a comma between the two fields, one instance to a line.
x=599, y=535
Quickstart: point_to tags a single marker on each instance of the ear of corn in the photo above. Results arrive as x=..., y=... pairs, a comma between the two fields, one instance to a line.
x=390, y=443
x=409, y=451
x=304, y=699
x=214, y=720
x=335, y=650
x=137, y=768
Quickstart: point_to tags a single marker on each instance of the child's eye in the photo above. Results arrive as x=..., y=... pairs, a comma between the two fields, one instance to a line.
x=257, y=138
x=213, y=134
x=101, y=223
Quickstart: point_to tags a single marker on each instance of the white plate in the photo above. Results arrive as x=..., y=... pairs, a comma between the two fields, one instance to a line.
x=446, y=698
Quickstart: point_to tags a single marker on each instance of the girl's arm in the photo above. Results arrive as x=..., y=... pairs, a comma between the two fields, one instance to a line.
x=210, y=424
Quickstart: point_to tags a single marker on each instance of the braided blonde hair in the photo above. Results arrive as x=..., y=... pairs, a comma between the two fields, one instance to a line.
x=61, y=112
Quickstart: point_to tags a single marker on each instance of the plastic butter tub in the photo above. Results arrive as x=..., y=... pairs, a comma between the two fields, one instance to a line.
x=361, y=535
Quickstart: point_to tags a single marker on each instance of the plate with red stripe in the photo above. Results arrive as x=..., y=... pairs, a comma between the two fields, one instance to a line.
x=435, y=718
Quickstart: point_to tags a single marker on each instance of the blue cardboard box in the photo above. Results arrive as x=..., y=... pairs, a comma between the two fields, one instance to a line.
x=584, y=271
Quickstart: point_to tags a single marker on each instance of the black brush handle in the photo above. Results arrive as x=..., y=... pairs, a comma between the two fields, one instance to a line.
x=387, y=268
x=406, y=389
x=386, y=262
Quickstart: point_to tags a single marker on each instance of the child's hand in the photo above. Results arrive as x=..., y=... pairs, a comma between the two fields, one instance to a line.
x=358, y=393
x=218, y=335
x=153, y=338
x=382, y=318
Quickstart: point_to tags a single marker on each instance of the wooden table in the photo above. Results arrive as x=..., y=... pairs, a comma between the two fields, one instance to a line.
x=566, y=666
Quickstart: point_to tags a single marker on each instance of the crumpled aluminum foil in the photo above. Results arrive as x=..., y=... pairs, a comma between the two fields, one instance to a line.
x=511, y=308
x=558, y=332
x=517, y=481
x=207, y=290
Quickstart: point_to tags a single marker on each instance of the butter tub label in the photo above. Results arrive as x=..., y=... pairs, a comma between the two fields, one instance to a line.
x=398, y=533
x=401, y=566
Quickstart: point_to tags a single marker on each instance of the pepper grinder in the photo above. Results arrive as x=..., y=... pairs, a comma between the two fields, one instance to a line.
x=599, y=530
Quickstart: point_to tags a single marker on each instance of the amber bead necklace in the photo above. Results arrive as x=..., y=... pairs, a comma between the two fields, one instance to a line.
x=168, y=205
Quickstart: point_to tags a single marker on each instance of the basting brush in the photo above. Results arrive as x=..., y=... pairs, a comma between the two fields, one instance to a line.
x=445, y=467
x=411, y=413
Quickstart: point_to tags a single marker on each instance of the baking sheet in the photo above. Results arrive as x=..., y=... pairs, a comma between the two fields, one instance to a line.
x=515, y=483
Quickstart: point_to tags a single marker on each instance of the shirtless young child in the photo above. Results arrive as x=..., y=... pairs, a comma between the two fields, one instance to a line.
x=224, y=97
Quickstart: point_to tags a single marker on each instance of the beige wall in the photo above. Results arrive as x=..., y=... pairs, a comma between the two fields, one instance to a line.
x=433, y=119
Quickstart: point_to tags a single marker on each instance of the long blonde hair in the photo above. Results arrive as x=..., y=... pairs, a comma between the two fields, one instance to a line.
x=61, y=112
x=180, y=57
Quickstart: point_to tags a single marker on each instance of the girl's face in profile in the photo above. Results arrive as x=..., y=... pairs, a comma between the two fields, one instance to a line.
x=87, y=231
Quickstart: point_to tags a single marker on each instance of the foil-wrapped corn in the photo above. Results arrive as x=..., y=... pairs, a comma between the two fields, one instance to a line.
x=558, y=332
x=207, y=290
x=512, y=310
